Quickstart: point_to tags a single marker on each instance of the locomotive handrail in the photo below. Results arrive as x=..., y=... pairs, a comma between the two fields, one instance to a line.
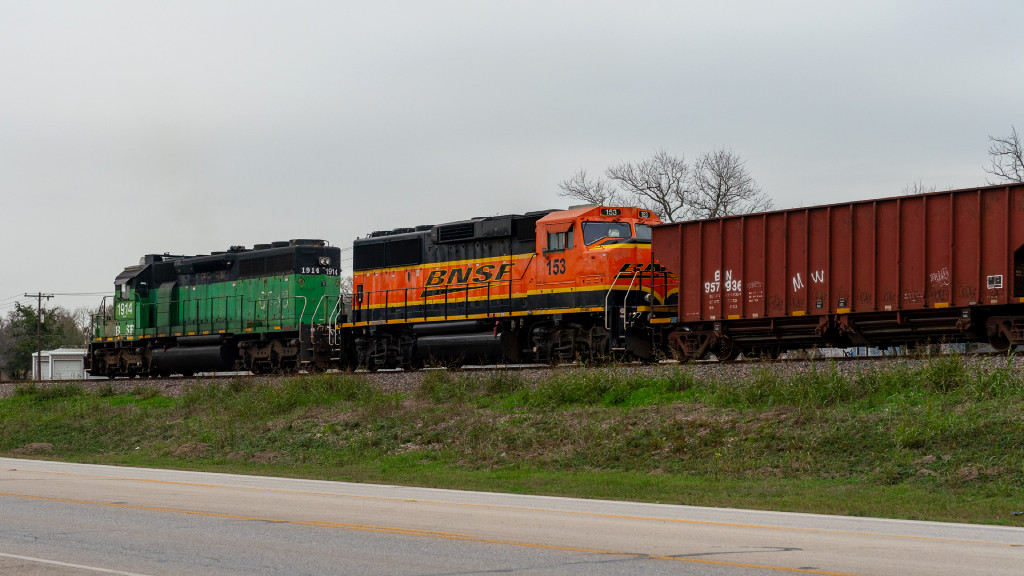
x=607, y=310
x=327, y=318
x=330, y=318
x=200, y=315
x=337, y=310
x=346, y=307
x=625, y=300
x=312, y=318
x=100, y=319
x=305, y=303
x=440, y=302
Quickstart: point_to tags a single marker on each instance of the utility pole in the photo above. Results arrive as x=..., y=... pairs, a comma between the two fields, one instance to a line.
x=39, y=331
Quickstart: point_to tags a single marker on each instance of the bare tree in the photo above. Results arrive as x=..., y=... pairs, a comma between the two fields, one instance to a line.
x=723, y=187
x=581, y=187
x=659, y=183
x=717, y=185
x=1007, y=158
x=917, y=187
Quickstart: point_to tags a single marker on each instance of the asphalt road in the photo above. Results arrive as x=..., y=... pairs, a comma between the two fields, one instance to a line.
x=71, y=519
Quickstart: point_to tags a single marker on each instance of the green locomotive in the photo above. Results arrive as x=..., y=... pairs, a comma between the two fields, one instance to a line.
x=243, y=309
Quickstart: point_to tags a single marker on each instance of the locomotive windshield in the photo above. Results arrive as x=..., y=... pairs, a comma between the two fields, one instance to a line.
x=595, y=231
x=643, y=231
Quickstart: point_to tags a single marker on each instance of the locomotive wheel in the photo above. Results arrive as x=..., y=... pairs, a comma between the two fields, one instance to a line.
x=351, y=364
x=415, y=364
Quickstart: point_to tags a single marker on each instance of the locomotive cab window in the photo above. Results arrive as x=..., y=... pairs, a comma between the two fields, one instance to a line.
x=596, y=231
x=560, y=241
x=643, y=231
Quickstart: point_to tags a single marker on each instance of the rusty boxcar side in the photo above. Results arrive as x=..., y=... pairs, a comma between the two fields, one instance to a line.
x=945, y=265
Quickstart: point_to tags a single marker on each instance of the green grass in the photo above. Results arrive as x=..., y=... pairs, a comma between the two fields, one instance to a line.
x=938, y=439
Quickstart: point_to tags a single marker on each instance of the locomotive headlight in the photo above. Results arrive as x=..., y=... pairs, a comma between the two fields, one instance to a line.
x=325, y=260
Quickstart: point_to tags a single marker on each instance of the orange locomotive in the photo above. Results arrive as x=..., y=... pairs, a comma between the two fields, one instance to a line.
x=542, y=286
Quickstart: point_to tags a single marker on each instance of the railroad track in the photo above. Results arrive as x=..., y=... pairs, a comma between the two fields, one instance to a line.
x=409, y=380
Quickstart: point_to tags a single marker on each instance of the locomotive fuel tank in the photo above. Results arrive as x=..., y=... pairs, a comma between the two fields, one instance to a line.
x=468, y=341
x=193, y=359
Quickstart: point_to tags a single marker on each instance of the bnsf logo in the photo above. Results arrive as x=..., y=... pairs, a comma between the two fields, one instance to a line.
x=469, y=274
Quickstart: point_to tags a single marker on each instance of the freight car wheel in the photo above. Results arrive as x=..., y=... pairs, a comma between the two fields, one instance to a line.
x=726, y=350
x=998, y=331
x=679, y=355
x=763, y=352
x=999, y=343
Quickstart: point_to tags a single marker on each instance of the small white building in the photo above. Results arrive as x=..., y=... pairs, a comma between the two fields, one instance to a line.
x=60, y=364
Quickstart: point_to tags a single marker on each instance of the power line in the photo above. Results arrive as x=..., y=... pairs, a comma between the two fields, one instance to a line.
x=12, y=305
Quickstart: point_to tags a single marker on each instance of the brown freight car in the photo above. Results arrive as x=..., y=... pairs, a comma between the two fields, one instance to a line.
x=946, y=266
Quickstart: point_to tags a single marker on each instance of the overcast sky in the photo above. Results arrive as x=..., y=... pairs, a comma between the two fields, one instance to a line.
x=134, y=127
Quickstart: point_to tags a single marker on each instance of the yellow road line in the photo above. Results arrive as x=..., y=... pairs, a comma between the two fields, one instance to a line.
x=526, y=509
x=428, y=534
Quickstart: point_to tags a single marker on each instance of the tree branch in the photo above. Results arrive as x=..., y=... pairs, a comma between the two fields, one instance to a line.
x=1007, y=158
x=580, y=187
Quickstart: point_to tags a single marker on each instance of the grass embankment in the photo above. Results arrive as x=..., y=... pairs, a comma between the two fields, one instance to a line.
x=940, y=439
